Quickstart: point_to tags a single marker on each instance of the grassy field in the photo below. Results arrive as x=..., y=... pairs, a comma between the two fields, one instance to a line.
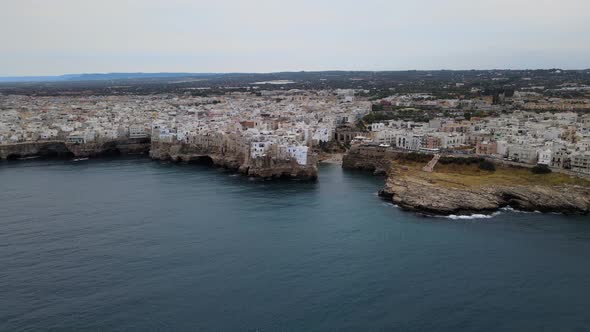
x=462, y=176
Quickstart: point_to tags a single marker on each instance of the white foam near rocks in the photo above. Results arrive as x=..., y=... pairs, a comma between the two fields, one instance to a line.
x=511, y=209
x=470, y=217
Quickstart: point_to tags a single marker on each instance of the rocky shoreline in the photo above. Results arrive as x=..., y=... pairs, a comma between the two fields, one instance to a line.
x=266, y=168
x=61, y=149
x=417, y=191
x=417, y=195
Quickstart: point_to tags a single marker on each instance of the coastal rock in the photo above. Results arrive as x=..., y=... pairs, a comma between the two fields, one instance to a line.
x=415, y=194
x=61, y=149
x=37, y=149
x=110, y=148
x=267, y=168
x=375, y=159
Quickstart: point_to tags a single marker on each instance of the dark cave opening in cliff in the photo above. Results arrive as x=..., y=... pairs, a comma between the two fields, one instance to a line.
x=55, y=154
x=111, y=152
x=202, y=160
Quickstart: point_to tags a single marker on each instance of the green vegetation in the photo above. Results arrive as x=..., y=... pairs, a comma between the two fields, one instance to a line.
x=461, y=161
x=487, y=166
x=457, y=175
x=406, y=114
x=360, y=125
x=414, y=157
x=541, y=169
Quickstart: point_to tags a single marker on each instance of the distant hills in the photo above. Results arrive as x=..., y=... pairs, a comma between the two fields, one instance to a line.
x=99, y=77
x=301, y=75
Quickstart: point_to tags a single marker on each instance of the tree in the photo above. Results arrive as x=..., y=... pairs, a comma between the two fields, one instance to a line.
x=541, y=169
x=487, y=166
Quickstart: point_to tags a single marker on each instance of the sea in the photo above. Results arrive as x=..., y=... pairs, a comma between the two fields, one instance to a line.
x=141, y=245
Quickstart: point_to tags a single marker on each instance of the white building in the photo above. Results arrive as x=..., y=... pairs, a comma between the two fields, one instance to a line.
x=299, y=152
x=136, y=131
x=259, y=149
x=377, y=126
x=581, y=162
x=544, y=156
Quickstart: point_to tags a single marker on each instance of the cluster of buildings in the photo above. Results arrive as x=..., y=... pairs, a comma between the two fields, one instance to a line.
x=560, y=140
x=283, y=124
x=94, y=119
x=288, y=124
x=278, y=124
x=529, y=99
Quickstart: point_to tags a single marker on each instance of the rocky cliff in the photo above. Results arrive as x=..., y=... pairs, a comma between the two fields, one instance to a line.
x=60, y=149
x=420, y=195
x=44, y=149
x=267, y=168
x=373, y=159
x=112, y=148
x=465, y=189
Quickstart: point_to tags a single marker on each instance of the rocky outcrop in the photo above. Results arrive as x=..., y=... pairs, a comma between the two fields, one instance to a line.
x=419, y=195
x=417, y=192
x=267, y=168
x=111, y=148
x=60, y=149
x=41, y=149
x=373, y=159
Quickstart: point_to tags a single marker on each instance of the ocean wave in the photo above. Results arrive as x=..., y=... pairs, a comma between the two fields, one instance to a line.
x=472, y=216
x=390, y=205
x=511, y=209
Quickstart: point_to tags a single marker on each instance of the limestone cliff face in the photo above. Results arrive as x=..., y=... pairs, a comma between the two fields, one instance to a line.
x=62, y=149
x=269, y=168
x=418, y=195
x=374, y=159
x=261, y=167
x=118, y=147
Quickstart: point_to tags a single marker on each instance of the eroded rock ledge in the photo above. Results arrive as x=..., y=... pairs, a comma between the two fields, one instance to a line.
x=61, y=149
x=418, y=195
x=464, y=189
x=267, y=168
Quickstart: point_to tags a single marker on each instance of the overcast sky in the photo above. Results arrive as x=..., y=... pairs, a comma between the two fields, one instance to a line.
x=48, y=37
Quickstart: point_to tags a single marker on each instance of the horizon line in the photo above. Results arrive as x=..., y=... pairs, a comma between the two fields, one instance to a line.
x=289, y=71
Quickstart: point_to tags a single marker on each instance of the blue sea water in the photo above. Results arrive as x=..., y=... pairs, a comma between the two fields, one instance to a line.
x=133, y=244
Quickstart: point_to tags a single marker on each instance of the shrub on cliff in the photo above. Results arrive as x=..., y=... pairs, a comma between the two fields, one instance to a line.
x=541, y=169
x=487, y=166
x=415, y=157
x=460, y=160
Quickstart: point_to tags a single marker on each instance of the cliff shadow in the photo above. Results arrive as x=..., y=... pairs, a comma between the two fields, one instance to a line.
x=201, y=160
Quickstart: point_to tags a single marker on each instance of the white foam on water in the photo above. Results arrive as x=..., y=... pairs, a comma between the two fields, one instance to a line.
x=472, y=216
x=511, y=209
x=390, y=205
